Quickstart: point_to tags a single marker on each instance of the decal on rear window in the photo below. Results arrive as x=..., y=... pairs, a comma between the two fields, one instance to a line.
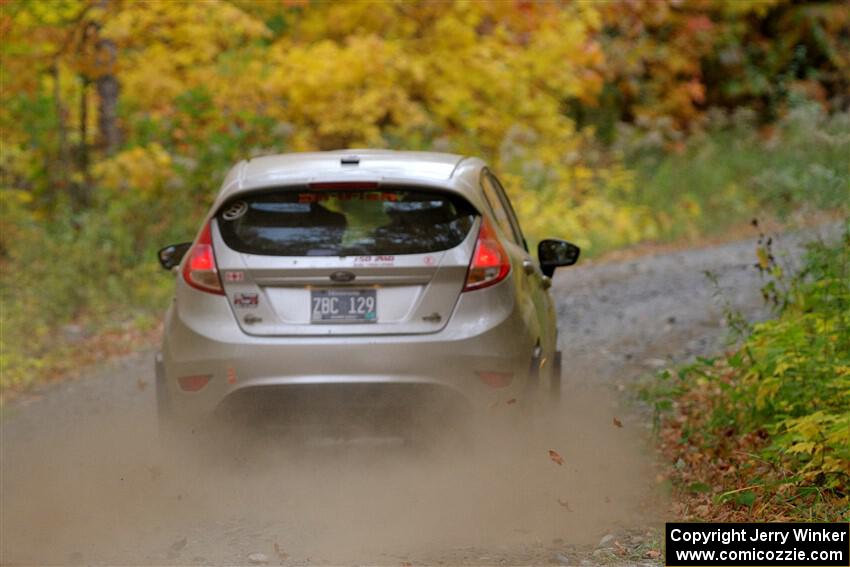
x=317, y=197
x=235, y=210
x=362, y=223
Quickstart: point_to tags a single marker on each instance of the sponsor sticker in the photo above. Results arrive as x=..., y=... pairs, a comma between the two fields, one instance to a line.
x=235, y=211
x=236, y=276
x=347, y=196
x=374, y=260
x=246, y=300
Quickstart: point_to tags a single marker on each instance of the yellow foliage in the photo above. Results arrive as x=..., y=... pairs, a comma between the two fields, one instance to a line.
x=338, y=96
x=167, y=45
x=806, y=447
x=142, y=169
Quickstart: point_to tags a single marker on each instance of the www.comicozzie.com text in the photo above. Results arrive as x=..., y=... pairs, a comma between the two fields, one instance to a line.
x=757, y=534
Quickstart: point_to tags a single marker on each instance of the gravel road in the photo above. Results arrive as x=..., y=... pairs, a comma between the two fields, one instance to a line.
x=83, y=480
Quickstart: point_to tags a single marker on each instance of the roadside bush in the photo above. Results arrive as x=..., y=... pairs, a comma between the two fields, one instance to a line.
x=96, y=268
x=764, y=431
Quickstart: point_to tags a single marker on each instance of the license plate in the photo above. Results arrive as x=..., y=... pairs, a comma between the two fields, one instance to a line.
x=344, y=305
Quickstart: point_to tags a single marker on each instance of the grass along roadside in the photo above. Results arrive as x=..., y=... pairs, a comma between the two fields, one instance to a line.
x=77, y=349
x=762, y=432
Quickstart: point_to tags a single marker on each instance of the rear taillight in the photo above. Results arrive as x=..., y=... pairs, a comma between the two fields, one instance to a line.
x=490, y=263
x=199, y=269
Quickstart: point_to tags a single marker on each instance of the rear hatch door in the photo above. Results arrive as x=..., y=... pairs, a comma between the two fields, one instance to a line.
x=344, y=259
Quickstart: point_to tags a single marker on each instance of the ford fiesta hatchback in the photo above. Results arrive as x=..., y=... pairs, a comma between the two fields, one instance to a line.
x=357, y=285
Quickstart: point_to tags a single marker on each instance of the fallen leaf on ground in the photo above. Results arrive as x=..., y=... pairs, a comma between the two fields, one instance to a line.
x=618, y=423
x=556, y=457
x=141, y=385
x=621, y=549
x=179, y=544
x=511, y=401
x=653, y=553
x=565, y=504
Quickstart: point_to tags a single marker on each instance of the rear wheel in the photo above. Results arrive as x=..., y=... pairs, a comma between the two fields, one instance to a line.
x=533, y=384
x=555, y=379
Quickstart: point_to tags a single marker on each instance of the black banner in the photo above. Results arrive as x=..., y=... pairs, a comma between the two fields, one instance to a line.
x=762, y=545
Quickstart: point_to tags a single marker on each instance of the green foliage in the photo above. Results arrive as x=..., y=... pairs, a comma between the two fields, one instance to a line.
x=796, y=380
x=780, y=403
x=96, y=267
x=731, y=172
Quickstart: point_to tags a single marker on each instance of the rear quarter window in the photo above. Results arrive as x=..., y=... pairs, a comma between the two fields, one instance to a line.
x=345, y=222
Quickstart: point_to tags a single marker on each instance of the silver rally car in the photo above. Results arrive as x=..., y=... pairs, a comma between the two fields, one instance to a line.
x=357, y=285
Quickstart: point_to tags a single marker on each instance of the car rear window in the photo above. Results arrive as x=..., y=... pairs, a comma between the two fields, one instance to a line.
x=346, y=222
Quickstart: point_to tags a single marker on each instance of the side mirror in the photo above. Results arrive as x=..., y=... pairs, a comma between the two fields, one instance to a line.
x=170, y=256
x=554, y=253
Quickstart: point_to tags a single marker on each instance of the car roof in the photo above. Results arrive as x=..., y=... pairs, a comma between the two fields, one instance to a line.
x=448, y=171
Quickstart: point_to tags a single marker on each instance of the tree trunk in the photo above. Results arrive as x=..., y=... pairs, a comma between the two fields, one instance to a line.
x=59, y=169
x=107, y=116
x=80, y=195
x=108, y=90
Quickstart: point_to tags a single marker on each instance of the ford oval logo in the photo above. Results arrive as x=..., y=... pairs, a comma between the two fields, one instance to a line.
x=342, y=277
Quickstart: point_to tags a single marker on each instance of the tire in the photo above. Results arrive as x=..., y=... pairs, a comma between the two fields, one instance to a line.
x=533, y=384
x=555, y=379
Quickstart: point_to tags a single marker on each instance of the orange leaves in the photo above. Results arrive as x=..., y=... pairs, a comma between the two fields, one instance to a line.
x=696, y=90
x=699, y=23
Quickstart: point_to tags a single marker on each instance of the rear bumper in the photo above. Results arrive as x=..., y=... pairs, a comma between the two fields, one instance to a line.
x=444, y=365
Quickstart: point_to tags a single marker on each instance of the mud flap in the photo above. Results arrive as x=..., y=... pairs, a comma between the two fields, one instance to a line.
x=162, y=401
x=535, y=395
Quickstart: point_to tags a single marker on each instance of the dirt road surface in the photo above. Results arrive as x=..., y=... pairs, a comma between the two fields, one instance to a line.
x=83, y=481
